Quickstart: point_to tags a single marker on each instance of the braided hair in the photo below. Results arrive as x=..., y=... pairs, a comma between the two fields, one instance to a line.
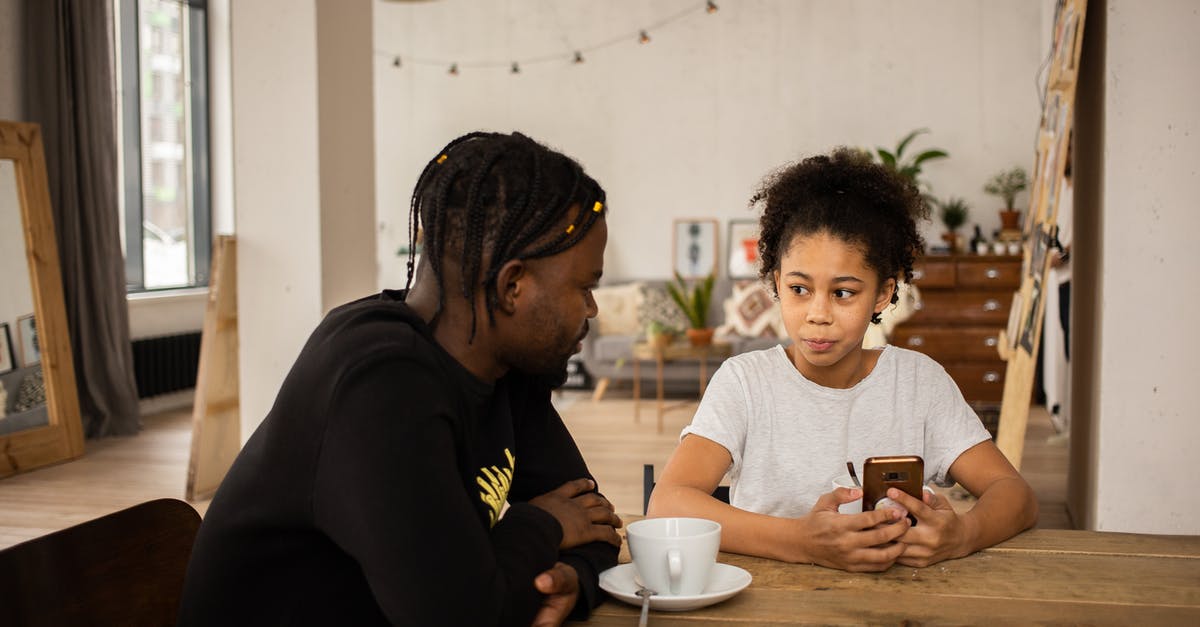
x=490, y=198
x=847, y=196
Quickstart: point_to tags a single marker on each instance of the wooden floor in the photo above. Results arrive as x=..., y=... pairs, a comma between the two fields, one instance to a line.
x=115, y=473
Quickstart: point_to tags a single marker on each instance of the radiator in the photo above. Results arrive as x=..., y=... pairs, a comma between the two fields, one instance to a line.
x=166, y=364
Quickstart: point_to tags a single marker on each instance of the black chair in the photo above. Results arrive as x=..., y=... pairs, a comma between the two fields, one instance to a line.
x=125, y=568
x=721, y=493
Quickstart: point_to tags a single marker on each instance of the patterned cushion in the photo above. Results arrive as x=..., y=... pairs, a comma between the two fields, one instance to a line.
x=752, y=312
x=31, y=393
x=657, y=305
x=619, y=307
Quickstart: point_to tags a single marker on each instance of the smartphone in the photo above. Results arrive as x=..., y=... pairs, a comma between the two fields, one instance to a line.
x=906, y=472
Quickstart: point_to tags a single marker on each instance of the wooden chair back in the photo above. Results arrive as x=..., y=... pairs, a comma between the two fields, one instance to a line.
x=125, y=568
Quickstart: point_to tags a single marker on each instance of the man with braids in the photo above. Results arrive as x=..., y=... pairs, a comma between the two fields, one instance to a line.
x=373, y=492
x=837, y=234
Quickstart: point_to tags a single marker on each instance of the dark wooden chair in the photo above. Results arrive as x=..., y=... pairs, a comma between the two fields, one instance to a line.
x=125, y=568
x=721, y=493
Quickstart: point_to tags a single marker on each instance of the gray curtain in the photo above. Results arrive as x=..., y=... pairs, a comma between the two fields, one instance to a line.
x=68, y=74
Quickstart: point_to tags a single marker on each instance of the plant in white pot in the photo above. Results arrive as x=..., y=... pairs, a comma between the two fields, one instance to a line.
x=1007, y=184
x=693, y=301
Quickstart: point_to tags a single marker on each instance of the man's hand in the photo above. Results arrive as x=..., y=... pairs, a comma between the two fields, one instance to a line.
x=853, y=542
x=940, y=533
x=560, y=584
x=584, y=515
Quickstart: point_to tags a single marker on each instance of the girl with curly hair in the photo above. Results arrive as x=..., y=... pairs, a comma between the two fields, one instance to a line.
x=838, y=233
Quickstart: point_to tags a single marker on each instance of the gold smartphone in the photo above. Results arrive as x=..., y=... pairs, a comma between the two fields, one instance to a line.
x=906, y=472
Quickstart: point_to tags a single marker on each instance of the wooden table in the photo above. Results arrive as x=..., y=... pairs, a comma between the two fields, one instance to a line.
x=644, y=351
x=1039, y=577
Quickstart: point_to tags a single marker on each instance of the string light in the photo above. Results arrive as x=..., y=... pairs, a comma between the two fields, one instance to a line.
x=575, y=56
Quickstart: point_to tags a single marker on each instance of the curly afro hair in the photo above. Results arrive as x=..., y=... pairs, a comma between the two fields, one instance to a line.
x=848, y=196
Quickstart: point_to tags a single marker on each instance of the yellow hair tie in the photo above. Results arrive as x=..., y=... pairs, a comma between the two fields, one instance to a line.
x=599, y=205
x=570, y=228
x=442, y=158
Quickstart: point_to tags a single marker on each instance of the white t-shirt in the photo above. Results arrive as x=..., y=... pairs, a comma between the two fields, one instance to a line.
x=790, y=438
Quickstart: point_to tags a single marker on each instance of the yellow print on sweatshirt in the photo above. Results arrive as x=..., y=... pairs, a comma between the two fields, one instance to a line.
x=494, y=483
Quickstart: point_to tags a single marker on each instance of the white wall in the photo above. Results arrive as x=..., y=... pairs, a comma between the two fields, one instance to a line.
x=11, y=91
x=1146, y=419
x=274, y=86
x=687, y=125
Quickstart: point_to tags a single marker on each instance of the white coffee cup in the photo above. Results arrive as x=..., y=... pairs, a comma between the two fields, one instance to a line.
x=853, y=507
x=674, y=556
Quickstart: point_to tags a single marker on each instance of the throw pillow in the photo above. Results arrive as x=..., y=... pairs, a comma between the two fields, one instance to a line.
x=618, y=309
x=751, y=312
x=657, y=305
x=31, y=393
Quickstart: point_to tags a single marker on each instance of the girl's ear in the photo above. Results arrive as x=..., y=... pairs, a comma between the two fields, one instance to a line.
x=885, y=295
x=508, y=284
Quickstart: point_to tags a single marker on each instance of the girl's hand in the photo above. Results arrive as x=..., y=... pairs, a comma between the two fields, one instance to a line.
x=939, y=534
x=854, y=542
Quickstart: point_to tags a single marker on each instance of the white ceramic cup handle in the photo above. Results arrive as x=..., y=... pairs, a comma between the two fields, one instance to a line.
x=674, y=569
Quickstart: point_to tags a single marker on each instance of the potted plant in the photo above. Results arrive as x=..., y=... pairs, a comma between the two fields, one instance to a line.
x=693, y=302
x=660, y=335
x=1006, y=184
x=910, y=167
x=953, y=212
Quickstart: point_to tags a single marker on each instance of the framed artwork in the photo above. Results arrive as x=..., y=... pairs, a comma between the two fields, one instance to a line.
x=31, y=349
x=743, y=249
x=8, y=360
x=1031, y=317
x=694, y=253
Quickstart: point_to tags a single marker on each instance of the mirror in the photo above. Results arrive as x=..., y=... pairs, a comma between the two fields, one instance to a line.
x=40, y=423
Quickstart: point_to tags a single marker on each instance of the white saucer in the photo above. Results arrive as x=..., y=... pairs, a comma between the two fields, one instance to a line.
x=724, y=581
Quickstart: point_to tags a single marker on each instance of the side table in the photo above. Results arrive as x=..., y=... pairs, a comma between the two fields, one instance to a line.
x=660, y=356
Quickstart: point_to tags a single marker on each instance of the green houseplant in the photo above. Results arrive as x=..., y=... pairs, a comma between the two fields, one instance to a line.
x=693, y=301
x=1006, y=184
x=910, y=166
x=659, y=334
x=953, y=212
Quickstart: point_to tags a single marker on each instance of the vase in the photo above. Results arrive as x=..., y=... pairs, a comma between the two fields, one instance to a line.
x=700, y=337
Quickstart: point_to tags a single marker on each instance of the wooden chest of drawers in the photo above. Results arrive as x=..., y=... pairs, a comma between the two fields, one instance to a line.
x=964, y=304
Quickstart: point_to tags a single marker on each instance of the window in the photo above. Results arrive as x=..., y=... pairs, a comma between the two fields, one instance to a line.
x=165, y=207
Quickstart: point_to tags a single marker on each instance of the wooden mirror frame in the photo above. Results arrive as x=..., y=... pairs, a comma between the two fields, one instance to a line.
x=62, y=438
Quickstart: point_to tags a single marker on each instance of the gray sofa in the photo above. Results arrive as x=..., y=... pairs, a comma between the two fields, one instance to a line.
x=608, y=355
x=13, y=420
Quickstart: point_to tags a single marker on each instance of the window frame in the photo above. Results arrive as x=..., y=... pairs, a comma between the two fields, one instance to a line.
x=197, y=140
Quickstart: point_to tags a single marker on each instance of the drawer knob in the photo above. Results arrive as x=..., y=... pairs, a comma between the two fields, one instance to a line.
x=918, y=274
x=991, y=376
x=991, y=341
x=916, y=340
x=991, y=305
x=992, y=273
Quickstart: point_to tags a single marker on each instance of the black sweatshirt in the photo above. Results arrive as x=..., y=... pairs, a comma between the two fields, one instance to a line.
x=371, y=491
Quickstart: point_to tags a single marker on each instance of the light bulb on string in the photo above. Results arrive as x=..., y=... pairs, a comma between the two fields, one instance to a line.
x=711, y=6
x=453, y=71
x=578, y=57
x=644, y=37
x=516, y=69
x=396, y=61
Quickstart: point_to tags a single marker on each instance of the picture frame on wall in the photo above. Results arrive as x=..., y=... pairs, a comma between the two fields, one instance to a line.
x=694, y=249
x=8, y=359
x=31, y=349
x=743, y=249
